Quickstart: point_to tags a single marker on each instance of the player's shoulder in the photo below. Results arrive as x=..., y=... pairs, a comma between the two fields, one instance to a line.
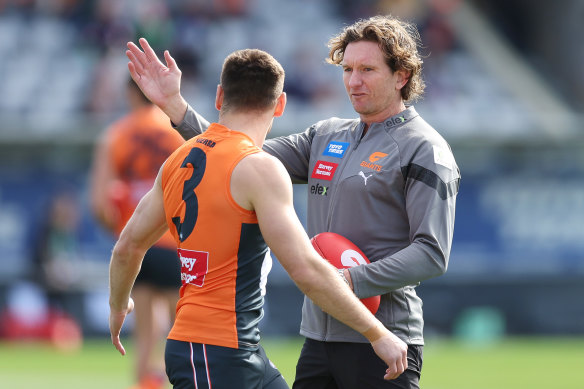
x=256, y=176
x=115, y=129
x=178, y=155
x=260, y=166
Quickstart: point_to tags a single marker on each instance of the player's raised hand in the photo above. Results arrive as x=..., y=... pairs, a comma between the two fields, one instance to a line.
x=160, y=83
x=394, y=352
x=116, y=320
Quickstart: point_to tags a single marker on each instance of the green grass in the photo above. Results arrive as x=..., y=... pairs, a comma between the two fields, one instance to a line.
x=38, y=365
x=532, y=363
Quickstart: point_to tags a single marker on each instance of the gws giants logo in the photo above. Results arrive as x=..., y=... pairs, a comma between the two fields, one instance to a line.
x=376, y=156
x=352, y=258
x=194, y=266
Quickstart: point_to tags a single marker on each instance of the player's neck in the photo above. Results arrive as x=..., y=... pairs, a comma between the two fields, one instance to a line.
x=255, y=125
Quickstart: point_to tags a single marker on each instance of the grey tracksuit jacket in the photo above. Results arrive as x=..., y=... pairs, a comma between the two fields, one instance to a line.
x=391, y=192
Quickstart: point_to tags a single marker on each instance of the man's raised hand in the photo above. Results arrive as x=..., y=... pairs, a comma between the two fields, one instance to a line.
x=160, y=83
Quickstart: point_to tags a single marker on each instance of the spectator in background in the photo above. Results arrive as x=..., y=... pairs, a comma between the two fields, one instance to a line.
x=109, y=28
x=56, y=251
x=58, y=271
x=126, y=163
x=152, y=19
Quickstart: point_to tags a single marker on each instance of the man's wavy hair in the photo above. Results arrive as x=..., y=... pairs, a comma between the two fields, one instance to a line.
x=398, y=40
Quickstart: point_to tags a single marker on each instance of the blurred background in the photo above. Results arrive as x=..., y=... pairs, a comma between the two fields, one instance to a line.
x=505, y=87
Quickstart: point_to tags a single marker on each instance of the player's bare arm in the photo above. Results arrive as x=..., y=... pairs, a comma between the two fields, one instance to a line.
x=160, y=83
x=260, y=182
x=144, y=228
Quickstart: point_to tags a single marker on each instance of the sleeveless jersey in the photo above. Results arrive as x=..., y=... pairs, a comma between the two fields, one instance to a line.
x=139, y=143
x=222, y=251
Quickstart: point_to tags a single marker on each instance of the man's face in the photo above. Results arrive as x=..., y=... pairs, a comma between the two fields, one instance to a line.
x=373, y=88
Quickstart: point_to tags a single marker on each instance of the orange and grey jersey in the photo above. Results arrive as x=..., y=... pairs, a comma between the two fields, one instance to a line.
x=223, y=254
x=392, y=192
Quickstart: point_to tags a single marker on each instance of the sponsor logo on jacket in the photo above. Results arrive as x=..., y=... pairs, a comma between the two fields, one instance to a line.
x=336, y=149
x=394, y=121
x=318, y=189
x=365, y=178
x=324, y=170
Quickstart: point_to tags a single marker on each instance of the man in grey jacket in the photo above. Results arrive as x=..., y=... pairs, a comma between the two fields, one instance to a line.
x=391, y=184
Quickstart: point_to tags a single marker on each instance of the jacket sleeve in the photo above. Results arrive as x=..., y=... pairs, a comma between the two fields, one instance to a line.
x=193, y=124
x=294, y=152
x=430, y=200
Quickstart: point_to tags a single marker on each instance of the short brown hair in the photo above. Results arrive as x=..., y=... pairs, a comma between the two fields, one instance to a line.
x=398, y=40
x=132, y=86
x=251, y=79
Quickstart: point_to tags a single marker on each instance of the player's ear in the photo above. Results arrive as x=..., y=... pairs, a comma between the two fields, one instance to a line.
x=280, y=105
x=219, y=98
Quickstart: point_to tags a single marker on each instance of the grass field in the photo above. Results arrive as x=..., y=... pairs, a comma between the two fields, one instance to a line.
x=551, y=363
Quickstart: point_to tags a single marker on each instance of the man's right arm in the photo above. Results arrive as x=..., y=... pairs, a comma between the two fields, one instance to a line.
x=161, y=84
x=193, y=124
x=260, y=182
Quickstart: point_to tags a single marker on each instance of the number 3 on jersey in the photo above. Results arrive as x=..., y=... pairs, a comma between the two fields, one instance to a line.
x=198, y=160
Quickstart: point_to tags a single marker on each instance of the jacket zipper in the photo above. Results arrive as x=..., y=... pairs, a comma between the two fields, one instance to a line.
x=330, y=207
x=339, y=174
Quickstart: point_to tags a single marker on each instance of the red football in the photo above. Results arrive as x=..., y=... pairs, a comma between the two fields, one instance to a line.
x=343, y=254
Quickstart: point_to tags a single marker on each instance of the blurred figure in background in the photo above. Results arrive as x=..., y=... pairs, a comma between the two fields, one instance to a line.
x=126, y=163
x=55, y=252
x=51, y=307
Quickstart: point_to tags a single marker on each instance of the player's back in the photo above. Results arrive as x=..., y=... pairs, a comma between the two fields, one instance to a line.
x=220, y=245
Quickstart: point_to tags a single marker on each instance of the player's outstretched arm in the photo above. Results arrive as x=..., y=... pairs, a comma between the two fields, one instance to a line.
x=160, y=83
x=260, y=182
x=144, y=228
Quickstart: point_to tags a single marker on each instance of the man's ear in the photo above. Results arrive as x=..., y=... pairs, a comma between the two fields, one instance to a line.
x=280, y=105
x=219, y=98
x=402, y=78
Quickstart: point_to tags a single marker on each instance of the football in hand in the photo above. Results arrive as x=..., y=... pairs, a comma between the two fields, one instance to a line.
x=343, y=254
